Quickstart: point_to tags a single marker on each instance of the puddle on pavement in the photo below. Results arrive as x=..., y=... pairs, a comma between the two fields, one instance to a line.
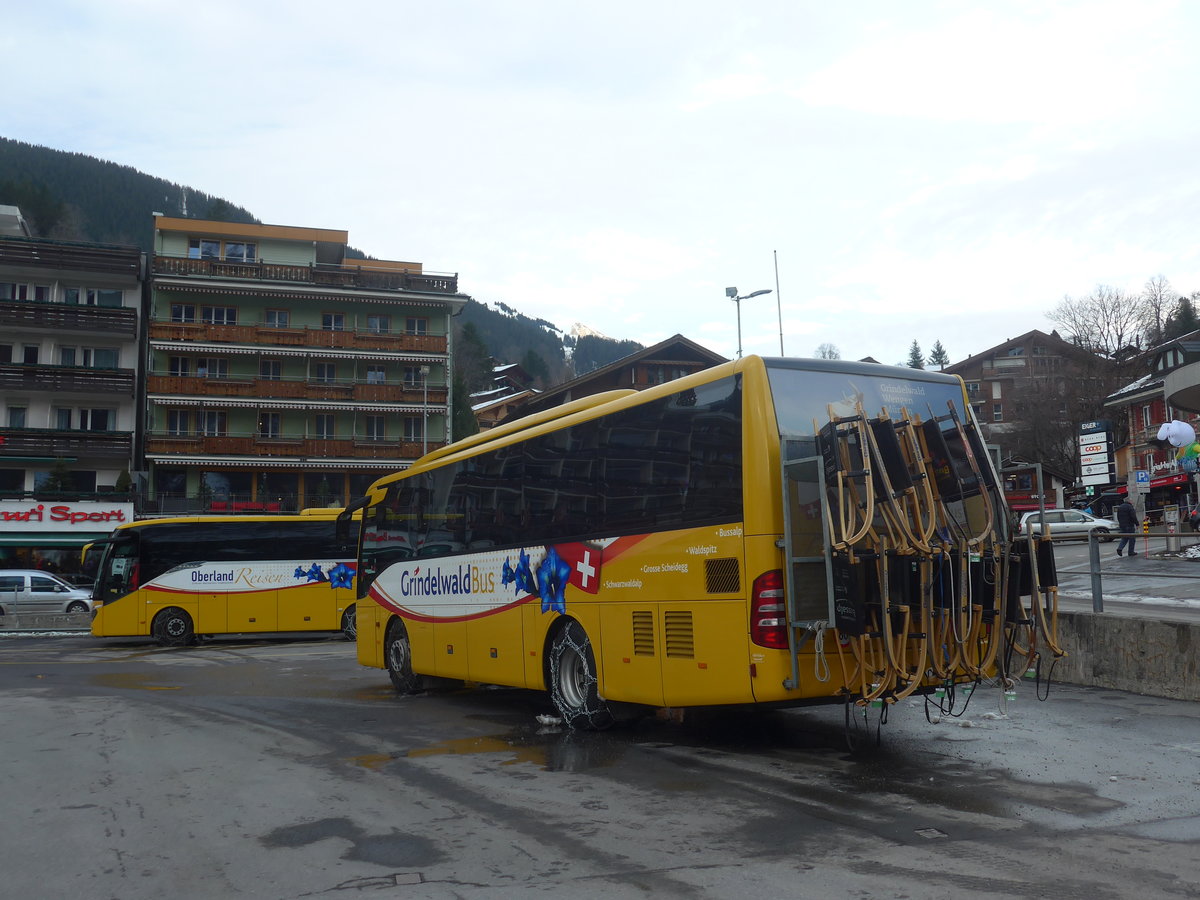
x=550, y=749
x=132, y=681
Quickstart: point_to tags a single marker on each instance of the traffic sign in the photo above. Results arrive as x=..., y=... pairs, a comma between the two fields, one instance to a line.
x=1141, y=476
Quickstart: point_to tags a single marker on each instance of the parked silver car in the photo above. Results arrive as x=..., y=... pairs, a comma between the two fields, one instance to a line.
x=34, y=591
x=1065, y=524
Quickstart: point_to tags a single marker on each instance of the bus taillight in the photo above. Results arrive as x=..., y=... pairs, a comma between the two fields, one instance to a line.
x=768, y=611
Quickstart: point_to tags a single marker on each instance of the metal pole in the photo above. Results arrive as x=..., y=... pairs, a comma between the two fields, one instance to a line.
x=778, y=301
x=425, y=411
x=738, y=303
x=1094, y=565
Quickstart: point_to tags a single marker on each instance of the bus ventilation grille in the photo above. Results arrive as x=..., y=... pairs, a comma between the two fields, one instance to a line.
x=678, y=628
x=643, y=632
x=721, y=576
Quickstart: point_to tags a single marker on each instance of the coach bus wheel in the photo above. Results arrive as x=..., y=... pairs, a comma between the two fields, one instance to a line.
x=573, y=680
x=399, y=658
x=173, y=627
x=350, y=623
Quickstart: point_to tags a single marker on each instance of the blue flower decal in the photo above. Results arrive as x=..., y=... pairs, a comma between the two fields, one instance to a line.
x=299, y=572
x=524, y=575
x=314, y=573
x=341, y=576
x=507, y=575
x=553, y=575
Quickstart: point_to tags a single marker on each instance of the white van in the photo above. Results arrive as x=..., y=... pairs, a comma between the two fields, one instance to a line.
x=34, y=591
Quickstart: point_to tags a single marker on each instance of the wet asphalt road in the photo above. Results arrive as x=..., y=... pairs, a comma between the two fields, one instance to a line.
x=282, y=769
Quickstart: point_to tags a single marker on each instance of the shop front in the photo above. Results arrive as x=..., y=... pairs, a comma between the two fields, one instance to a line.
x=49, y=534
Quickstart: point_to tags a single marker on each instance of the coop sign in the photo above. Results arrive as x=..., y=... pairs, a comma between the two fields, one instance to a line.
x=23, y=516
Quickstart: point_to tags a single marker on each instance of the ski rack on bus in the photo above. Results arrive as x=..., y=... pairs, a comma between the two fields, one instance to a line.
x=922, y=587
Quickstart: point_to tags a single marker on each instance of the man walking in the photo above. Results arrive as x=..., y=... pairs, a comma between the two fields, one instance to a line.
x=1127, y=519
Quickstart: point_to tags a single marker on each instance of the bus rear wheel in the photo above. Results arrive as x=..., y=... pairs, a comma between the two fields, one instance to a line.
x=350, y=623
x=573, y=685
x=398, y=655
x=173, y=628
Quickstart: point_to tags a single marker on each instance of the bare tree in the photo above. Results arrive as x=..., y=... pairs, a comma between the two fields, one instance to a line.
x=1107, y=321
x=1159, y=300
x=828, y=351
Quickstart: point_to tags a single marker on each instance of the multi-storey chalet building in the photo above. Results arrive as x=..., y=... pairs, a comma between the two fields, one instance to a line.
x=282, y=374
x=69, y=366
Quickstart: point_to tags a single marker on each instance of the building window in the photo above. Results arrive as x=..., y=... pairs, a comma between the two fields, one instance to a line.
x=268, y=425
x=240, y=251
x=412, y=376
x=413, y=430
x=972, y=387
x=332, y=321
x=66, y=356
x=379, y=324
x=183, y=312
x=5, y=353
x=17, y=416
x=415, y=325
x=376, y=375
x=218, y=315
x=325, y=372
x=204, y=248
x=104, y=297
x=323, y=426
x=997, y=412
x=213, y=424
x=99, y=357
x=179, y=366
x=97, y=419
x=1147, y=416
x=29, y=354
x=1016, y=351
x=179, y=422
x=270, y=369
x=375, y=428
x=277, y=318
x=212, y=368
x=63, y=418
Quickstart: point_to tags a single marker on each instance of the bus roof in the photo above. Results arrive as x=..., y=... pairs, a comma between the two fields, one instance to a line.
x=309, y=515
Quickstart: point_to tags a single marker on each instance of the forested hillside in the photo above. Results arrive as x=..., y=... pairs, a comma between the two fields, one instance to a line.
x=71, y=196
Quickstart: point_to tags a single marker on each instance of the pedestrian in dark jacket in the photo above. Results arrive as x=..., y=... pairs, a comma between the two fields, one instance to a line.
x=1127, y=519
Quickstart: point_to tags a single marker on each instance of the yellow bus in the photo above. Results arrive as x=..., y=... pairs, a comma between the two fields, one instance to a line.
x=177, y=579
x=768, y=531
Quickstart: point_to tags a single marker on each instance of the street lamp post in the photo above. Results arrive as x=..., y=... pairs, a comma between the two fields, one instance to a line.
x=425, y=411
x=732, y=294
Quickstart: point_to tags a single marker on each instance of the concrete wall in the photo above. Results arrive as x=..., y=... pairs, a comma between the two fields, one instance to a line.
x=1138, y=654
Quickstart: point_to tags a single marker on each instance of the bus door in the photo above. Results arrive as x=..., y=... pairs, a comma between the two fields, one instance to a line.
x=816, y=598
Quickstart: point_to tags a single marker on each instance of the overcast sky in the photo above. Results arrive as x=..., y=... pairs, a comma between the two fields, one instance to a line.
x=919, y=170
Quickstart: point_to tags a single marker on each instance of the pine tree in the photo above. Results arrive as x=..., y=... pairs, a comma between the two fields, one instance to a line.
x=915, y=359
x=938, y=356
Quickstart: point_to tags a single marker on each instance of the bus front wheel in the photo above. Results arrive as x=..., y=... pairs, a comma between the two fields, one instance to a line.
x=173, y=627
x=573, y=685
x=350, y=623
x=398, y=654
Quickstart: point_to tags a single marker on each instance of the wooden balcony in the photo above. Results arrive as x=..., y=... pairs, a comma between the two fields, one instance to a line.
x=51, y=442
x=293, y=389
x=292, y=447
x=267, y=336
x=64, y=317
x=361, y=277
x=66, y=379
x=109, y=259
